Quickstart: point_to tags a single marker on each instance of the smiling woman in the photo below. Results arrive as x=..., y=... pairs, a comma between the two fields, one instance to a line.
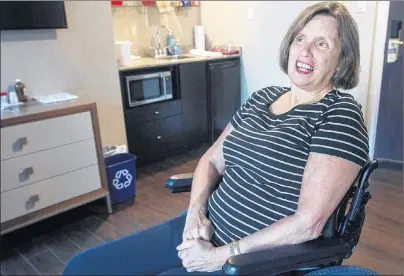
x=313, y=56
x=327, y=36
x=287, y=158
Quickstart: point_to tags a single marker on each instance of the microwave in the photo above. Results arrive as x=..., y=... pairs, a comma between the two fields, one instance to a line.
x=149, y=88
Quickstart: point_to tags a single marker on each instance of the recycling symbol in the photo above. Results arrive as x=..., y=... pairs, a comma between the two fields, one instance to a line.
x=122, y=179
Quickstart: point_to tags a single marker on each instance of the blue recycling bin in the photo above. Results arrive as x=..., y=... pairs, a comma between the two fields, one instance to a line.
x=121, y=176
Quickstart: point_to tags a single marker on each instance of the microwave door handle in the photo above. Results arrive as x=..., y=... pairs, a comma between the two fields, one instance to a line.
x=163, y=84
x=128, y=92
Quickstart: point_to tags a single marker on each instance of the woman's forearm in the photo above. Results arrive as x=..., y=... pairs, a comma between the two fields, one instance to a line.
x=291, y=230
x=204, y=179
x=207, y=173
x=294, y=229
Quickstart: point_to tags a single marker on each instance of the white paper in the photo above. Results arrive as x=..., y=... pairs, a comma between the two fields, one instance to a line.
x=58, y=97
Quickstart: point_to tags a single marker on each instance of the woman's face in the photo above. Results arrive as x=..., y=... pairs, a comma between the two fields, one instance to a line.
x=314, y=53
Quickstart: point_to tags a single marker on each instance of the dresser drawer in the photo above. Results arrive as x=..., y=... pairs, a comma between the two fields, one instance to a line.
x=45, y=134
x=31, y=198
x=27, y=169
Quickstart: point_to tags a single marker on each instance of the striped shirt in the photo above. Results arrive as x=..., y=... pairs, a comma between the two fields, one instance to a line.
x=266, y=154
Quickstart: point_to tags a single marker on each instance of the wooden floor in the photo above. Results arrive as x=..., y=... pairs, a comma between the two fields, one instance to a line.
x=45, y=248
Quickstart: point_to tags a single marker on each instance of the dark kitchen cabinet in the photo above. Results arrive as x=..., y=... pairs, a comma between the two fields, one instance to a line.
x=156, y=140
x=192, y=77
x=207, y=94
x=224, y=94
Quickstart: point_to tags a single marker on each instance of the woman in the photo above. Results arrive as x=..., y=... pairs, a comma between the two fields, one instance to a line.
x=287, y=158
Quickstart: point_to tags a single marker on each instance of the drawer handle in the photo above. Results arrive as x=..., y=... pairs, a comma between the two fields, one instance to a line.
x=156, y=112
x=30, y=203
x=18, y=145
x=159, y=137
x=24, y=175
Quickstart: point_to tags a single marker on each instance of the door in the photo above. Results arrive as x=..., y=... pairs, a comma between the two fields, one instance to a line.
x=389, y=133
x=224, y=94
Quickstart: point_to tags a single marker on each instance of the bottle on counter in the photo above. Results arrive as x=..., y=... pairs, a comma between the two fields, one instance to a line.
x=177, y=47
x=20, y=90
x=170, y=44
x=13, y=98
x=4, y=98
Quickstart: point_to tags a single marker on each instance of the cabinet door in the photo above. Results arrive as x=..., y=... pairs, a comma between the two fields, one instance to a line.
x=155, y=140
x=224, y=95
x=194, y=102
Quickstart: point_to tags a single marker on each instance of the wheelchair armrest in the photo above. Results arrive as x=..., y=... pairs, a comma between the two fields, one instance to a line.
x=180, y=182
x=288, y=258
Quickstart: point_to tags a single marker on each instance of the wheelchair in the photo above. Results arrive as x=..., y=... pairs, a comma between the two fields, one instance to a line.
x=337, y=243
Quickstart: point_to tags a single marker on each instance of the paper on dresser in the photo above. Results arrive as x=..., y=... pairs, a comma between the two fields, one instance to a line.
x=53, y=98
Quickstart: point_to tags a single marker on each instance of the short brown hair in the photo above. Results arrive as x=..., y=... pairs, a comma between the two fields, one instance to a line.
x=347, y=77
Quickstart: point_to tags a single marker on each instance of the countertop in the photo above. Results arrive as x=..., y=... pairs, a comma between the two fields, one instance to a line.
x=33, y=109
x=152, y=62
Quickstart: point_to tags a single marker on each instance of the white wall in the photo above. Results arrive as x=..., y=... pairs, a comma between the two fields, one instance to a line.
x=80, y=60
x=227, y=21
x=262, y=36
x=375, y=82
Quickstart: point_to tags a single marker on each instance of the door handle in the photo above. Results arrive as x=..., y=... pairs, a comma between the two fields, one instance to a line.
x=24, y=175
x=30, y=203
x=17, y=145
x=398, y=42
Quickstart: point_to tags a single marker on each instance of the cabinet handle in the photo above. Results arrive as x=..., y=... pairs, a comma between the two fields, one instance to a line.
x=156, y=112
x=18, y=145
x=159, y=137
x=30, y=203
x=24, y=175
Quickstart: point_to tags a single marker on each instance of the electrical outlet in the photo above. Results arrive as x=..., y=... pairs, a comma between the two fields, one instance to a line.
x=361, y=6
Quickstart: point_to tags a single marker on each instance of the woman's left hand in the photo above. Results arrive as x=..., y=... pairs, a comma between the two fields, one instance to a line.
x=200, y=255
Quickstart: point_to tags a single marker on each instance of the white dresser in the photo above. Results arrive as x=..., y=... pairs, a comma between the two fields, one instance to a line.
x=51, y=161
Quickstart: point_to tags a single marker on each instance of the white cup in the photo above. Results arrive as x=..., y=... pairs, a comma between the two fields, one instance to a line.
x=124, y=52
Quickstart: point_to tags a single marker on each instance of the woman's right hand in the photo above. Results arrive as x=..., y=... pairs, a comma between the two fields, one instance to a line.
x=197, y=225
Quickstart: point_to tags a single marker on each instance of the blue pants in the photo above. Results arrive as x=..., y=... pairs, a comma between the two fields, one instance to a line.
x=148, y=252
x=153, y=252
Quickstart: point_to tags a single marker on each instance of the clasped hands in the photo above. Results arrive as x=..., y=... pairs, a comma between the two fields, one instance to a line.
x=196, y=251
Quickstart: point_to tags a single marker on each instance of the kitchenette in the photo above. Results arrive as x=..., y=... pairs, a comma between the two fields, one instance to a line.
x=178, y=90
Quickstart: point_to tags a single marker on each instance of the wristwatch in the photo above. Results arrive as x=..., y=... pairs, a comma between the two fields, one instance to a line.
x=235, y=248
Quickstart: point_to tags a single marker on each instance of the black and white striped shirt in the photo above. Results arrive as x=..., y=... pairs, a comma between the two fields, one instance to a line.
x=265, y=156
